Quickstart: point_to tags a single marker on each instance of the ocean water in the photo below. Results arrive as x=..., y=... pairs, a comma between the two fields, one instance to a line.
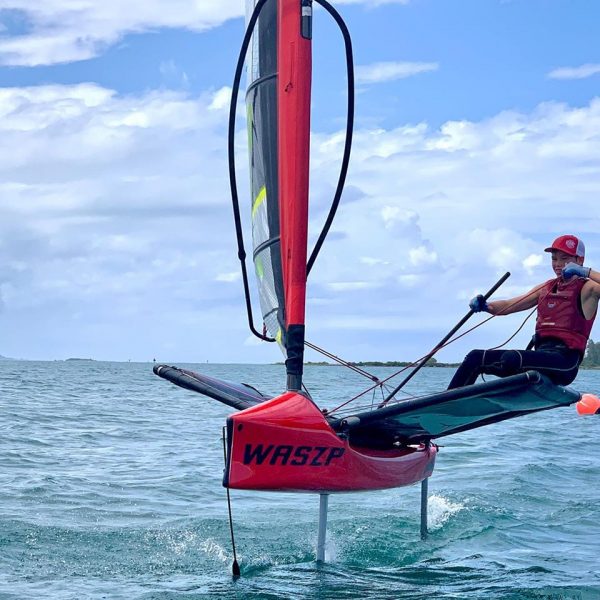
x=110, y=487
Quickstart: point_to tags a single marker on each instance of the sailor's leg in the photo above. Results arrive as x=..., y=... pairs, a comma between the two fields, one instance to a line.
x=468, y=370
x=559, y=366
x=475, y=363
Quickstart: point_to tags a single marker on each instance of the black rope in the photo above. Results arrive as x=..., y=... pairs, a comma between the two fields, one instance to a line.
x=341, y=361
x=231, y=151
x=232, y=178
x=235, y=567
x=382, y=383
x=441, y=344
x=349, y=129
x=517, y=331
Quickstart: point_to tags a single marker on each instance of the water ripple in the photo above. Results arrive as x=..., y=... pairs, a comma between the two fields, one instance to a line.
x=110, y=487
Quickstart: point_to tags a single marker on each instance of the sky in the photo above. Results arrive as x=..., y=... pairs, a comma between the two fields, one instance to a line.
x=476, y=143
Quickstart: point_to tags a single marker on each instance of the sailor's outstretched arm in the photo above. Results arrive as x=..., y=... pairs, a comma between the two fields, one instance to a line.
x=512, y=305
x=594, y=276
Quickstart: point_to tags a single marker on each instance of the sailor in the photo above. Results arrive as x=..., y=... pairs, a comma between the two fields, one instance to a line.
x=566, y=309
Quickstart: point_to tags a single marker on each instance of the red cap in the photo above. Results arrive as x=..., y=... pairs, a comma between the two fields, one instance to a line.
x=569, y=244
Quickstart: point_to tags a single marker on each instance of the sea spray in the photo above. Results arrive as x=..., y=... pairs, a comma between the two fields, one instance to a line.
x=440, y=510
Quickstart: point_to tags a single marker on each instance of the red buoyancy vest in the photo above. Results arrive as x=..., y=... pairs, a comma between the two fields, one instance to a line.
x=559, y=313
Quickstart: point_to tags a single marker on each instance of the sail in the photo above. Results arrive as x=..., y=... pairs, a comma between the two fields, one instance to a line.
x=240, y=396
x=278, y=112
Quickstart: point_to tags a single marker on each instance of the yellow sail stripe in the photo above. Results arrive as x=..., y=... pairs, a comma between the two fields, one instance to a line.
x=260, y=270
x=259, y=199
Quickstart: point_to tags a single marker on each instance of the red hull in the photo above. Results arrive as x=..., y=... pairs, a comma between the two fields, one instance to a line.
x=286, y=445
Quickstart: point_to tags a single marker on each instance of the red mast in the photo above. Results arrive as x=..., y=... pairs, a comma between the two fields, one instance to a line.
x=293, y=118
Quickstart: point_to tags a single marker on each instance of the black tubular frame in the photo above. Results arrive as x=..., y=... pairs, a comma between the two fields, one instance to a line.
x=349, y=130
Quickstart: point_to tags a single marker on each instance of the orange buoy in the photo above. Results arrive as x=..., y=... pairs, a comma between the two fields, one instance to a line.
x=588, y=405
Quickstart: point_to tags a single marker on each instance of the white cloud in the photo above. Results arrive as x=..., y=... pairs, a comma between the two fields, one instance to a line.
x=396, y=217
x=221, y=99
x=457, y=206
x=421, y=256
x=173, y=75
x=531, y=262
x=115, y=224
x=389, y=71
x=581, y=72
x=69, y=30
x=62, y=31
x=95, y=189
x=368, y=260
x=345, y=286
x=229, y=277
x=409, y=281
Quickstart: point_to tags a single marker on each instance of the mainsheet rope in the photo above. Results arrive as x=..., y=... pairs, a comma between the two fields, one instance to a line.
x=381, y=382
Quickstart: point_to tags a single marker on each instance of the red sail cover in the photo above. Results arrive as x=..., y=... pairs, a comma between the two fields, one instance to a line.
x=278, y=102
x=294, y=53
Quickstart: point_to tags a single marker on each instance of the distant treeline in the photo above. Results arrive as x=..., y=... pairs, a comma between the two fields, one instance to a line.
x=432, y=362
x=390, y=363
x=592, y=355
x=590, y=361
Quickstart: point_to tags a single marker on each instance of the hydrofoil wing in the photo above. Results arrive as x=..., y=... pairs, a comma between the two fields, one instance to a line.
x=240, y=396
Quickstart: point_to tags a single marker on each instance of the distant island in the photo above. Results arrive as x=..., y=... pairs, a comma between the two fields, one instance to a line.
x=590, y=361
x=432, y=362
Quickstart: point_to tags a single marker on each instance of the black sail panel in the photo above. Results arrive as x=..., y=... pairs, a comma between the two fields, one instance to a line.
x=261, y=103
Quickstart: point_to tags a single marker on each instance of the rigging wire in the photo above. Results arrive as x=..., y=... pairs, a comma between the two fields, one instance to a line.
x=517, y=331
x=231, y=151
x=349, y=131
x=341, y=361
x=456, y=328
x=451, y=341
x=409, y=365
